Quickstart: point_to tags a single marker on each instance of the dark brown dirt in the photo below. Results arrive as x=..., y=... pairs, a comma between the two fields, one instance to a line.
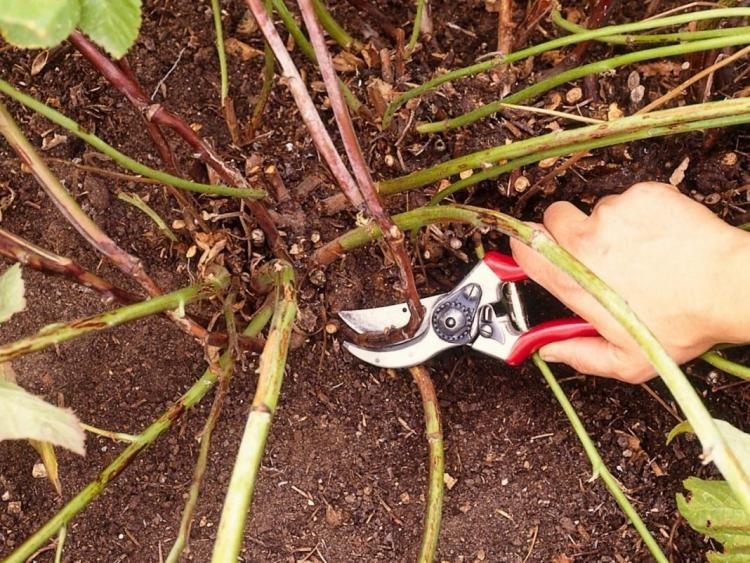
x=344, y=474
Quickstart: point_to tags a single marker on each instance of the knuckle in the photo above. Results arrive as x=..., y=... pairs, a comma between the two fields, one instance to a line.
x=552, y=211
x=649, y=189
x=630, y=367
x=567, y=285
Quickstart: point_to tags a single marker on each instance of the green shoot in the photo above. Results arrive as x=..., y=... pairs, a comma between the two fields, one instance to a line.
x=728, y=366
x=95, y=488
x=62, y=332
x=415, y=30
x=598, y=466
x=136, y=201
x=484, y=66
x=436, y=464
x=332, y=27
x=578, y=72
x=664, y=122
x=270, y=376
x=125, y=161
x=219, y=32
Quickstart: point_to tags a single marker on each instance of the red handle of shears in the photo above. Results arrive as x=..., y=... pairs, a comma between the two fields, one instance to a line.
x=506, y=269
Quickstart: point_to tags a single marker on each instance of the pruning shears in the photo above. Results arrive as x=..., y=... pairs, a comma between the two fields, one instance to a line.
x=484, y=312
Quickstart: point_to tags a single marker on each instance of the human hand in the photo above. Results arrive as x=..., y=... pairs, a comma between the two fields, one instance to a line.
x=681, y=269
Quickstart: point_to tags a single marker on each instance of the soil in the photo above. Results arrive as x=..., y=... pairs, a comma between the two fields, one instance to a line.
x=344, y=474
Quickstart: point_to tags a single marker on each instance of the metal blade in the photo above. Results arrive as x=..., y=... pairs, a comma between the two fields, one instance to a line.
x=379, y=319
x=406, y=354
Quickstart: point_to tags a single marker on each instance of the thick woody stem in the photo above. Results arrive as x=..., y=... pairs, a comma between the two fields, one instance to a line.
x=154, y=131
x=505, y=27
x=16, y=248
x=315, y=126
x=157, y=114
x=393, y=236
x=19, y=249
x=436, y=457
x=187, y=203
x=69, y=207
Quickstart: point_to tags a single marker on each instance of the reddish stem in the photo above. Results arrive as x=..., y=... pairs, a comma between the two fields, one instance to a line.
x=392, y=235
x=309, y=114
x=186, y=201
x=154, y=131
x=16, y=248
x=19, y=249
x=157, y=114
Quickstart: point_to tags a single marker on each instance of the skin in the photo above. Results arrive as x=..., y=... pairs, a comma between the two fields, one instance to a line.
x=682, y=270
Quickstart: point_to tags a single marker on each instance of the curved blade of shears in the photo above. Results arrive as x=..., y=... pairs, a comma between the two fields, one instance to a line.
x=417, y=350
x=380, y=319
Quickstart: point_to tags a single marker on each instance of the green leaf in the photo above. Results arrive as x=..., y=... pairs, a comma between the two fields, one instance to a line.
x=12, y=298
x=737, y=440
x=113, y=24
x=38, y=23
x=25, y=416
x=683, y=427
x=714, y=511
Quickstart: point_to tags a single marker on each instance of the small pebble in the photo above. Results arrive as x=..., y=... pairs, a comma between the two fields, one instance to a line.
x=521, y=183
x=449, y=480
x=548, y=162
x=191, y=251
x=389, y=160
x=729, y=159
x=332, y=327
x=712, y=199
x=258, y=236
x=614, y=112
x=318, y=278
x=574, y=95
x=14, y=507
x=634, y=80
x=315, y=237
x=455, y=243
x=637, y=93
x=39, y=471
x=295, y=249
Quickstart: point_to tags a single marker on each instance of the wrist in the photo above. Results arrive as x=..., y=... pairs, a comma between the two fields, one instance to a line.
x=732, y=288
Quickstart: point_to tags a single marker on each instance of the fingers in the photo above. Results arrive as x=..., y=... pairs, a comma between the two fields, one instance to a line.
x=597, y=356
x=562, y=221
x=565, y=223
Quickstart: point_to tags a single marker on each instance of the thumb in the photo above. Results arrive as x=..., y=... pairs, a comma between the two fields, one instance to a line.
x=597, y=356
